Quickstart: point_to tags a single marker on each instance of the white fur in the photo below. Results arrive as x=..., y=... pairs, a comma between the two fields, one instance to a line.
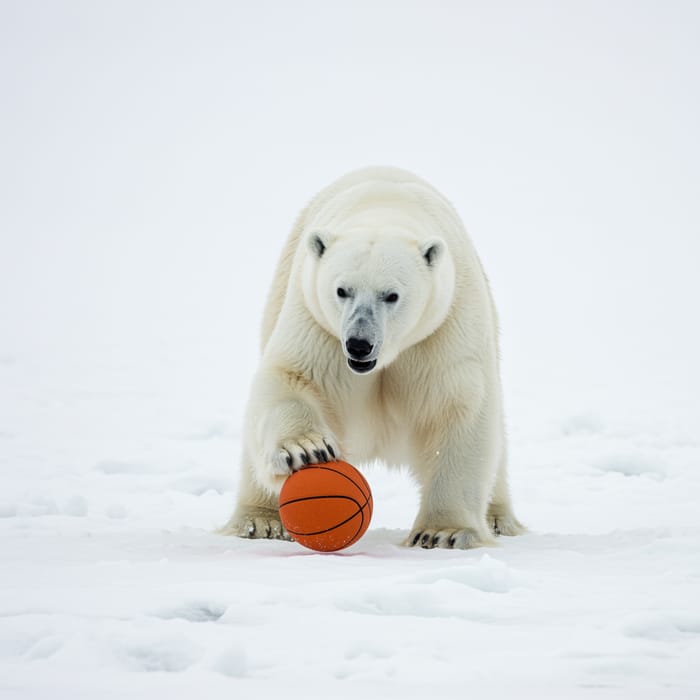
x=433, y=400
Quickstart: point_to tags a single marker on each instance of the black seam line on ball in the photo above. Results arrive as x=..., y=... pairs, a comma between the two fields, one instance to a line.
x=316, y=498
x=368, y=497
x=359, y=511
x=359, y=528
x=368, y=501
x=364, y=481
x=351, y=480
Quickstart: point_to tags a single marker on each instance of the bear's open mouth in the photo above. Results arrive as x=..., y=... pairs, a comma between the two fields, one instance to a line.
x=361, y=367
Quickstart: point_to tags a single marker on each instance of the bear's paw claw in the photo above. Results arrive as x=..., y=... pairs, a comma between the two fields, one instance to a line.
x=303, y=452
x=445, y=538
x=503, y=522
x=258, y=523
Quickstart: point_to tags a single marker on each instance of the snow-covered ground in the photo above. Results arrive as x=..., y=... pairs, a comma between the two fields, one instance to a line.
x=154, y=156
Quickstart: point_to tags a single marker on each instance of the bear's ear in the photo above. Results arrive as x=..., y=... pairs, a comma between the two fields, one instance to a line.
x=318, y=242
x=432, y=250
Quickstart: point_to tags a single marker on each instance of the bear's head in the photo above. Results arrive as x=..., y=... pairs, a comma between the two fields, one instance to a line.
x=378, y=294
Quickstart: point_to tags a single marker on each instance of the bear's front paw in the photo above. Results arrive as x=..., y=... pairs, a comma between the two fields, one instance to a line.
x=308, y=449
x=445, y=538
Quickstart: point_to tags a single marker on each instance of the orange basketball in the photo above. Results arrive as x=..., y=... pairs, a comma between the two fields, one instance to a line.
x=326, y=507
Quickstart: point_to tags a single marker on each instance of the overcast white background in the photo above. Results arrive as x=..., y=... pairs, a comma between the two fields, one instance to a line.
x=153, y=156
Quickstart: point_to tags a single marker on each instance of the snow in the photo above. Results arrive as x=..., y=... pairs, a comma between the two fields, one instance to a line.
x=154, y=158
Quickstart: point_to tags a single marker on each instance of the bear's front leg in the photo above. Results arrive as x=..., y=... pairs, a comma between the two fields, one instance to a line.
x=284, y=431
x=456, y=466
x=288, y=435
x=292, y=439
x=285, y=427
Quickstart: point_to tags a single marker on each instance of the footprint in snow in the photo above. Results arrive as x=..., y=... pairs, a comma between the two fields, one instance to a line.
x=193, y=612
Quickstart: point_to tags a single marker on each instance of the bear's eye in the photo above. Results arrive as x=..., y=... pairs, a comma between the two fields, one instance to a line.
x=342, y=293
x=391, y=298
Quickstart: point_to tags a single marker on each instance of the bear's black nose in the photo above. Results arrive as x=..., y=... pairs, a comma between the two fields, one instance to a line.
x=358, y=348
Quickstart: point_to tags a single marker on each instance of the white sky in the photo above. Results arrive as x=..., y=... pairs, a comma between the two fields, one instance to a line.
x=155, y=154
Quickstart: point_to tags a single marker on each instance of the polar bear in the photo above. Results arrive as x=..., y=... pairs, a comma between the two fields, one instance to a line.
x=380, y=341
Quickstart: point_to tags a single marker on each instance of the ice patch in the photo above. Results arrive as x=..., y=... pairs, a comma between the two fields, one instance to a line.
x=196, y=611
x=631, y=464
